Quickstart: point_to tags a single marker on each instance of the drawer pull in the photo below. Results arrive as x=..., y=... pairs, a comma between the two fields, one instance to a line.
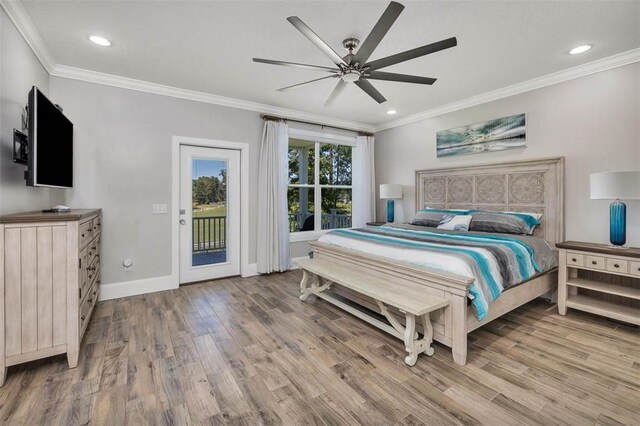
x=90, y=300
x=593, y=262
x=82, y=235
x=574, y=259
x=94, y=292
x=615, y=265
x=82, y=318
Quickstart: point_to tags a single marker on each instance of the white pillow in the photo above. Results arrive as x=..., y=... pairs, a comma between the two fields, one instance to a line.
x=454, y=222
x=536, y=216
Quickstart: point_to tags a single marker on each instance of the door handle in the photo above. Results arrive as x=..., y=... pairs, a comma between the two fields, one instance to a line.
x=183, y=222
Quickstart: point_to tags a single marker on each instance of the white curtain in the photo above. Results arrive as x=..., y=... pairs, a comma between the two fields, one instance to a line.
x=364, y=175
x=273, y=222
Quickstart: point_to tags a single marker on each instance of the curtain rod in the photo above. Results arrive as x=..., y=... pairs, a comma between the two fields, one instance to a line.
x=276, y=118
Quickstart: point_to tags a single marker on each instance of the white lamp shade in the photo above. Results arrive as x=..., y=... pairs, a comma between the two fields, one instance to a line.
x=612, y=185
x=390, y=190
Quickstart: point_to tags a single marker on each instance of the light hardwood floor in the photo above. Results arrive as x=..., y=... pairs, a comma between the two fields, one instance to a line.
x=247, y=351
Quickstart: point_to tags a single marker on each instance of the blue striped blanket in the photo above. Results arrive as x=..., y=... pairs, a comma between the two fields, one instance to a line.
x=496, y=261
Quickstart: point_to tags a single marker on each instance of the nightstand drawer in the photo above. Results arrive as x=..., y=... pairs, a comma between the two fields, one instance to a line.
x=617, y=265
x=575, y=259
x=595, y=262
x=634, y=268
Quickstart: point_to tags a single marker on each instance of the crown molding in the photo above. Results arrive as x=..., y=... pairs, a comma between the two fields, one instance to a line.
x=621, y=59
x=192, y=95
x=18, y=15
x=27, y=29
x=25, y=26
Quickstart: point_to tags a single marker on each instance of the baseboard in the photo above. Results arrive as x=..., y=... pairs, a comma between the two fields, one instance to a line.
x=135, y=287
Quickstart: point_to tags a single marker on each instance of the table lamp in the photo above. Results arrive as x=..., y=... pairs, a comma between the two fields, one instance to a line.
x=616, y=186
x=390, y=191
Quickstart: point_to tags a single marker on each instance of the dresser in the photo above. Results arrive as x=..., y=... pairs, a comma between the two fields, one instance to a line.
x=600, y=279
x=49, y=283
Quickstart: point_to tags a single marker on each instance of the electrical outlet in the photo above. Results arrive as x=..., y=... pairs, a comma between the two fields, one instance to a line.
x=159, y=209
x=127, y=264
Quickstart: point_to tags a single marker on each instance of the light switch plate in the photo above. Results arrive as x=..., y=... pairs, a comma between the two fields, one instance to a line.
x=159, y=209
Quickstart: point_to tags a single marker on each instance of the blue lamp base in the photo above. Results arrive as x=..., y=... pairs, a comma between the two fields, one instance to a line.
x=618, y=223
x=390, y=217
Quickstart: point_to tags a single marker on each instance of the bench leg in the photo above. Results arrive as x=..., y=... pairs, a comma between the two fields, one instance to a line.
x=411, y=343
x=303, y=286
x=409, y=340
x=428, y=334
x=319, y=285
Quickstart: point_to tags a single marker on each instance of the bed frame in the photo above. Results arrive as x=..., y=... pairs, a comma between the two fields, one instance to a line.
x=534, y=186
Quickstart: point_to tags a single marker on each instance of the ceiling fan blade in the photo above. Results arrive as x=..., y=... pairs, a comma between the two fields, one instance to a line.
x=336, y=92
x=403, y=78
x=295, y=65
x=295, y=86
x=378, y=32
x=320, y=44
x=370, y=90
x=411, y=54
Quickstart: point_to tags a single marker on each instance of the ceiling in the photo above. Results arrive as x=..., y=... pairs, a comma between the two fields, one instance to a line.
x=207, y=46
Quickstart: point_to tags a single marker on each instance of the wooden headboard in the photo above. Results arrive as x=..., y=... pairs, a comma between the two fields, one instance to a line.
x=535, y=186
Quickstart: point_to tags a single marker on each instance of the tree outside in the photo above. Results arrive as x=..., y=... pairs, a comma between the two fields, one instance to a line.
x=335, y=168
x=209, y=204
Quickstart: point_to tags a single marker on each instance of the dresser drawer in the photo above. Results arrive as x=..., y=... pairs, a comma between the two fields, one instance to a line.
x=93, y=249
x=85, y=233
x=575, y=259
x=595, y=262
x=617, y=265
x=96, y=225
x=634, y=268
x=93, y=271
x=83, y=282
x=85, y=313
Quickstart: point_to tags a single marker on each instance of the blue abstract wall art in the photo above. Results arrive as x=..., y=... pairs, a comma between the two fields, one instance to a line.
x=493, y=135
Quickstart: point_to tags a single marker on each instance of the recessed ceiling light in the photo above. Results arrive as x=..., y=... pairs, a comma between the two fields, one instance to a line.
x=392, y=111
x=580, y=49
x=100, y=41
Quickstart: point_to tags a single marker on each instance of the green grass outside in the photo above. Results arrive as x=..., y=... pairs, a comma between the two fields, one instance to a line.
x=200, y=232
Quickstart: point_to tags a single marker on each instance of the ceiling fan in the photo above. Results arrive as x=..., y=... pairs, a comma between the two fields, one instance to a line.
x=354, y=68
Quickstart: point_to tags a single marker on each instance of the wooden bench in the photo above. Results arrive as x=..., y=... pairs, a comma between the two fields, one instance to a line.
x=412, y=301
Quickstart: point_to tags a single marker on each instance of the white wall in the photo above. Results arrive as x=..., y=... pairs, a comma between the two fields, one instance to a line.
x=122, y=164
x=19, y=71
x=593, y=121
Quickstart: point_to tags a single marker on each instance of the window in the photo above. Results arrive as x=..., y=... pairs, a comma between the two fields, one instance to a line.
x=319, y=181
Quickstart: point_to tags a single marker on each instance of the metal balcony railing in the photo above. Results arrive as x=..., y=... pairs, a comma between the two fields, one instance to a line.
x=331, y=220
x=209, y=233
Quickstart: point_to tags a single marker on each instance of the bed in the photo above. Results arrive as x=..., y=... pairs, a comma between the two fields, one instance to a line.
x=534, y=186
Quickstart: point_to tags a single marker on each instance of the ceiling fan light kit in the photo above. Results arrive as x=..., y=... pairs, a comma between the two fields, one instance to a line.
x=353, y=67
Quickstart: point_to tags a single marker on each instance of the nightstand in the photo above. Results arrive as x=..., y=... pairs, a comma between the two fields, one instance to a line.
x=600, y=279
x=376, y=223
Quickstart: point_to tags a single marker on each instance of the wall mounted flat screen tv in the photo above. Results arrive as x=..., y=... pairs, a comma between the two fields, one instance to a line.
x=50, y=144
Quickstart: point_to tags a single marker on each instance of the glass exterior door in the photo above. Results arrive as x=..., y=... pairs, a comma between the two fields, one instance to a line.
x=209, y=213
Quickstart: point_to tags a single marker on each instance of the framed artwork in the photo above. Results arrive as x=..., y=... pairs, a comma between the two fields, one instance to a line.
x=493, y=135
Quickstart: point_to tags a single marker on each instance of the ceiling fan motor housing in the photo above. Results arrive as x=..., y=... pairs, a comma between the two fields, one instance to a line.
x=350, y=76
